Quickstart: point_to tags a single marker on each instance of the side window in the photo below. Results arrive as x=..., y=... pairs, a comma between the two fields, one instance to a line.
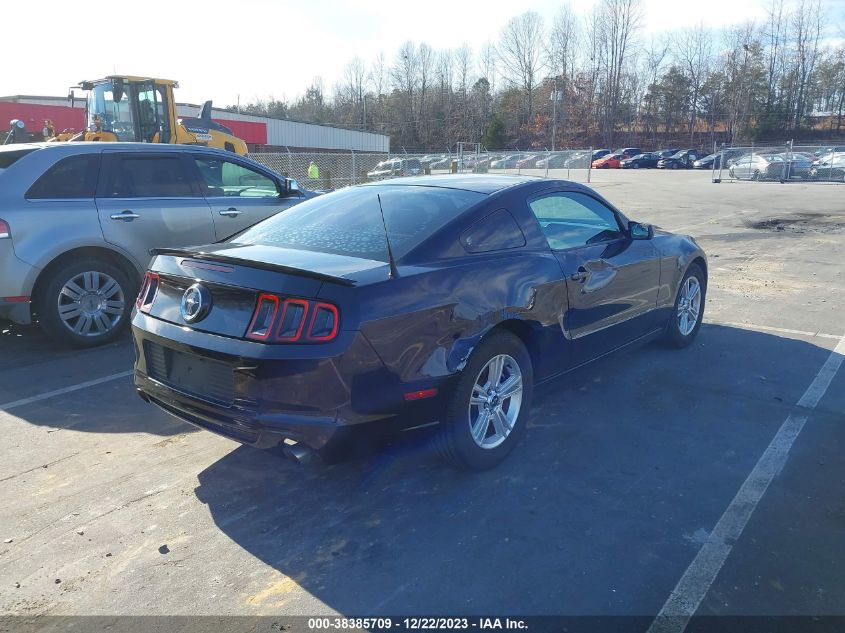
x=497, y=231
x=71, y=177
x=225, y=178
x=148, y=177
x=573, y=219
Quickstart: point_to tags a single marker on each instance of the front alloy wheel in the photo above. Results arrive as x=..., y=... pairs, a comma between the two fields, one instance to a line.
x=686, y=318
x=689, y=306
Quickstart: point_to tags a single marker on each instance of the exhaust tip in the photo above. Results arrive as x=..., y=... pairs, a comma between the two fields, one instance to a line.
x=143, y=396
x=297, y=452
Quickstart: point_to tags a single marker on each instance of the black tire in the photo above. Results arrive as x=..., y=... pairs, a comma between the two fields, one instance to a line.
x=454, y=438
x=673, y=335
x=48, y=300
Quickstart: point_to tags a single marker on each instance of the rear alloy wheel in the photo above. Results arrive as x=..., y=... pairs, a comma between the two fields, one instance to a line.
x=85, y=304
x=688, y=312
x=489, y=408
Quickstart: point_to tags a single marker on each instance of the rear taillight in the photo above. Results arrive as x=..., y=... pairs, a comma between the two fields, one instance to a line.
x=292, y=320
x=149, y=290
x=263, y=318
x=323, y=325
x=5, y=231
x=287, y=320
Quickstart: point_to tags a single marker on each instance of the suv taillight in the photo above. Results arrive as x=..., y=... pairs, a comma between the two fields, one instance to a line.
x=5, y=231
x=149, y=290
x=287, y=320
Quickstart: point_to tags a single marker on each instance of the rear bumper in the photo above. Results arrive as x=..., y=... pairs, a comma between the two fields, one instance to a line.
x=16, y=311
x=322, y=403
x=16, y=280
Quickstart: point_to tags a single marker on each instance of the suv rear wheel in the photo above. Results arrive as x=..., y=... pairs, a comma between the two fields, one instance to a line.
x=86, y=303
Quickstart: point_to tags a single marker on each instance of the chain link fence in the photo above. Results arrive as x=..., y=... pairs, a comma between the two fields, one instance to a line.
x=322, y=170
x=334, y=170
x=780, y=163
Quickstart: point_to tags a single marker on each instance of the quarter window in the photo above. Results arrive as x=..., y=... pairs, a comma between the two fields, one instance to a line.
x=571, y=219
x=71, y=177
x=228, y=179
x=149, y=177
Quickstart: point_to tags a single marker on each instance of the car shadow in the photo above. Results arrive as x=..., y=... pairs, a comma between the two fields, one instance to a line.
x=598, y=511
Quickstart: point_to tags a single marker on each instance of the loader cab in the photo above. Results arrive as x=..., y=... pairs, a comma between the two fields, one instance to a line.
x=123, y=109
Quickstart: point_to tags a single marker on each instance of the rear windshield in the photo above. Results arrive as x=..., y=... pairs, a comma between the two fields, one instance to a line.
x=348, y=222
x=7, y=157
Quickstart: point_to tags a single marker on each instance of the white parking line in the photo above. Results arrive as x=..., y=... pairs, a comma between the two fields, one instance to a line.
x=687, y=595
x=768, y=328
x=63, y=390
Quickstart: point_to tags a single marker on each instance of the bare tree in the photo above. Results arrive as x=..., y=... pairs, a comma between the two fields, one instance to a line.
x=619, y=20
x=404, y=74
x=378, y=74
x=654, y=57
x=487, y=58
x=694, y=51
x=767, y=80
x=355, y=77
x=463, y=66
x=806, y=22
x=425, y=74
x=521, y=53
x=564, y=40
x=775, y=35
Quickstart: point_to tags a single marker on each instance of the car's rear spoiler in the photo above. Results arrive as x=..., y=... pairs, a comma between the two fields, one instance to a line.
x=216, y=257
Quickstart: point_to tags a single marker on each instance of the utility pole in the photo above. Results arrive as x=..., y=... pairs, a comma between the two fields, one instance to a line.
x=739, y=110
x=555, y=97
x=554, y=115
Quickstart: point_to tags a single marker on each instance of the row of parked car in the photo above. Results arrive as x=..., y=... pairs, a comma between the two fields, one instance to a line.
x=824, y=164
x=787, y=166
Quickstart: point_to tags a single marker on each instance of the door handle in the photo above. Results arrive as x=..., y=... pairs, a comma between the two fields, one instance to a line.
x=126, y=216
x=580, y=276
x=231, y=212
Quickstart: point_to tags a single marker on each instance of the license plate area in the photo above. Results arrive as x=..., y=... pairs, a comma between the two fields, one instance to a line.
x=193, y=375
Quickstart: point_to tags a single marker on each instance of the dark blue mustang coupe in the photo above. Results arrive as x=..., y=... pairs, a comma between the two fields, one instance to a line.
x=403, y=303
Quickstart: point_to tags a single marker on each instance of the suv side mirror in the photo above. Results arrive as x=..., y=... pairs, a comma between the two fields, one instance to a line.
x=640, y=231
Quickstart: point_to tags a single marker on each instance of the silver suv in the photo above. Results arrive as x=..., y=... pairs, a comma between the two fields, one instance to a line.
x=77, y=221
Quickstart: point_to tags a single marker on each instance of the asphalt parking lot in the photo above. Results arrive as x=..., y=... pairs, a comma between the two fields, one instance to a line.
x=624, y=497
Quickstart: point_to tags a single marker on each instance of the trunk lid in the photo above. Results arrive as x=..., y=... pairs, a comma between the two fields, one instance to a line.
x=235, y=275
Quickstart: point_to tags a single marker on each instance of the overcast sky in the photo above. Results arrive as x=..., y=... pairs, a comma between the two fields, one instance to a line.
x=257, y=48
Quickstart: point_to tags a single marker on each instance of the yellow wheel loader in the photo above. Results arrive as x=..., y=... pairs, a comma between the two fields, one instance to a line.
x=141, y=109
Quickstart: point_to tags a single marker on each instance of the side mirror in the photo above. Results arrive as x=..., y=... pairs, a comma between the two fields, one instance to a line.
x=639, y=231
x=291, y=185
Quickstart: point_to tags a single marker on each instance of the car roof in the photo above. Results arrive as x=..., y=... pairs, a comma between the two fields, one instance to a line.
x=86, y=146
x=479, y=183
